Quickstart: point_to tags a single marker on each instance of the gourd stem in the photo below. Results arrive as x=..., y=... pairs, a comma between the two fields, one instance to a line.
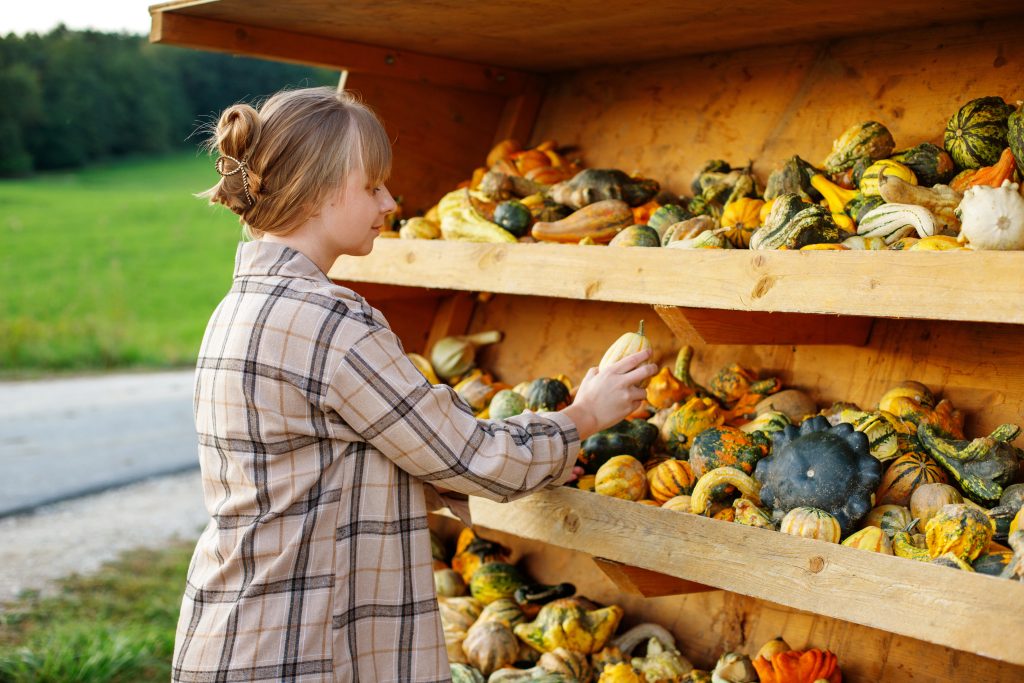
x=641, y=332
x=483, y=338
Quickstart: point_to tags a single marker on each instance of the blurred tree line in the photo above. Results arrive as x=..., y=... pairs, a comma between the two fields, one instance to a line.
x=69, y=98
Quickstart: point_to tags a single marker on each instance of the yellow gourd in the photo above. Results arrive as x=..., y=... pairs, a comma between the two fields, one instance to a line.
x=626, y=345
x=893, y=169
x=935, y=243
x=744, y=483
x=622, y=476
x=837, y=197
x=959, y=529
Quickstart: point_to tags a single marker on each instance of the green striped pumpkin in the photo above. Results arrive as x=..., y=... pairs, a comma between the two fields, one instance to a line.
x=811, y=225
x=882, y=439
x=667, y=215
x=1015, y=137
x=930, y=163
x=495, y=580
x=868, y=140
x=893, y=221
x=977, y=134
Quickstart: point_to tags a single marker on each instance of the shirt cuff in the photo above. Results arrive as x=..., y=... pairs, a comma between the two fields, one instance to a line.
x=457, y=503
x=572, y=444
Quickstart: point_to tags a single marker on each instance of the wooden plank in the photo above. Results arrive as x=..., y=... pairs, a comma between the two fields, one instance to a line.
x=988, y=285
x=640, y=581
x=238, y=36
x=715, y=326
x=549, y=36
x=520, y=113
x=865, y=588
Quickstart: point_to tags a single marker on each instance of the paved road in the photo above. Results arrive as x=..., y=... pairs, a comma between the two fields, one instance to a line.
x=69, y=437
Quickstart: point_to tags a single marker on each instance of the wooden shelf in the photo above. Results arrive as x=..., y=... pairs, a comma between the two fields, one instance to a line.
x=960, y=285
x=553, y=36
x=961, y=610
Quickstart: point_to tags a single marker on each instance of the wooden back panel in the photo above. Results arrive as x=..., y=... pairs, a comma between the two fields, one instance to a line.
x=664, y=119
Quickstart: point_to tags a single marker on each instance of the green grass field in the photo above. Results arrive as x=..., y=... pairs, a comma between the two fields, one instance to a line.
x=116, y=626
x=114, y=266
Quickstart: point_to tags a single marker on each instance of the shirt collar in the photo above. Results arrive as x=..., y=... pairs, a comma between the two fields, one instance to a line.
x=259, y=257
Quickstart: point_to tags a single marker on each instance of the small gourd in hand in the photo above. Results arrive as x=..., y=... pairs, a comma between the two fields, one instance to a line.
x=626, y=345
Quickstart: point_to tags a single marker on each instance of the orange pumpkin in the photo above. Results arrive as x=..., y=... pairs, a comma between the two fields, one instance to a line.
x=621, y=476
x=904, y=475
x=671, y=478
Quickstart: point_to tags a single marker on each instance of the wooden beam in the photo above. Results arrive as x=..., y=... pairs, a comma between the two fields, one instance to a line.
x=718, y=326
x=520, y=113
x=176, y=28
x=916, y=599
x=644, y=582
x=453, y=316
x=878, y=284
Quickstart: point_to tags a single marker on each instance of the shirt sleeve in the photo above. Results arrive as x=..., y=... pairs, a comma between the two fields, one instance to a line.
x=432, y=434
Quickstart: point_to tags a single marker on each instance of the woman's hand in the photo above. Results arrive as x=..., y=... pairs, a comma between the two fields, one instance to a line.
x=606, y=397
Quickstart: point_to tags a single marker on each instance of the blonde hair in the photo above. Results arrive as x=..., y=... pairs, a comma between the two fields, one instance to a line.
x=296, y=149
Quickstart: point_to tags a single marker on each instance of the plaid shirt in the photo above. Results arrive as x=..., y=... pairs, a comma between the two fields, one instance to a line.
x=316, y=439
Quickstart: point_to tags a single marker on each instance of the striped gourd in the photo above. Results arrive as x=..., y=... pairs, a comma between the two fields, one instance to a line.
x=977, y=134
x=894, y=221
x=669, y=479
x=869, y=181
x=881, y=433
x=905, y=474
x=811, y=523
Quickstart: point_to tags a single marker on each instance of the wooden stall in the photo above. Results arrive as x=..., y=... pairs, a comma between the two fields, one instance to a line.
x=658, y=89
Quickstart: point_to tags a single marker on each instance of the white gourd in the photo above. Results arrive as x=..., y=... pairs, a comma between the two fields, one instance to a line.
x=894, y=221
x=992, y=217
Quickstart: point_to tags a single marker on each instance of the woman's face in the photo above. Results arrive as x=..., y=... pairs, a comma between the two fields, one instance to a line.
x=351, y=218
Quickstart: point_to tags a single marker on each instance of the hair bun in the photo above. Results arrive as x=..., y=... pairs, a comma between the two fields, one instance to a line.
x=238, y=130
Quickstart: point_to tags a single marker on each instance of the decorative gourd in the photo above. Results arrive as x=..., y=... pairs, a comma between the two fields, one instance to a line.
x=679, y=504
x=600, y=221
x=905, y=474
x=514, y=216
x=710, y=239
x=531, y=597
x=607, y=656
x=495, y=580
x=505, y=404
x=574, y=666
x=992, y=564
x=931, y=164
x=636, y=236
x=928, y=499
x=893, y=169
x=727, y=446
x=448, y=583
x=881, y=433
x=870, y=140
x=568, y=623
x=992, y=176
x=464, y=673
x=812, y=225
x=734, y=382
x=793, y=403
x=915, y=391
x=772, y=648
x=489, y=646
x=992, y=217
x=594, y=185
x=478, y=552
x=940, y=200
x=893, y=221
x=982, y=467
x=621, y=476
x=669, y=479
x=793, y=178
x=747, y=513
x=911, y=547
x=476, y=389
x=836, y=197
x=811, y=522
x=691, y=227
x=799, y=666
x=664, y=389
x=458, y=614
x=958, y=529
x=503, y=610
x=667, y=215
x=869, y=538
x=687, y=421
x=626, y=345
x=547, y=395
x=829, y=468
x=936, y=243
x=628, y=437
x=976, y=134
x=767, y=423
x=857, y=207
x=620, y=673
x=663, y=662
x=454, y=356
x=711, y=482
x=889, y=518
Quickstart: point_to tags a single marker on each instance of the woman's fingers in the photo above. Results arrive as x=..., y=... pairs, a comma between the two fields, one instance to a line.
x=630, y=362
x=641, y=373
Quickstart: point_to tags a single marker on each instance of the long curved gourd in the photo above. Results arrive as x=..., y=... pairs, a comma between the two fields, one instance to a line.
x=744, y=483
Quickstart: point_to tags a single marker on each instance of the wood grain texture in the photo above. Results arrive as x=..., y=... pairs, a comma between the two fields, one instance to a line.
x=664, y=119
x=640, y=581
x=867, y=588
x=272, y=41
x=982, y=286
x=549, y=36
x=717, y=326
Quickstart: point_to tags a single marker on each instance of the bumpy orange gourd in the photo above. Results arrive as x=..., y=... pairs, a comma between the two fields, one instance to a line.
x=689, y=420
x=959, y=529
x=664, y=389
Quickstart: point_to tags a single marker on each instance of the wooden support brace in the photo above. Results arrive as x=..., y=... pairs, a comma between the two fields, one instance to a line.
x=722, y=326
x=649, y=584
x=452, y=318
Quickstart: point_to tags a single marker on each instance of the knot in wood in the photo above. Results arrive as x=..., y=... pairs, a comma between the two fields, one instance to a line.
x=816, y=564
x=571, y=522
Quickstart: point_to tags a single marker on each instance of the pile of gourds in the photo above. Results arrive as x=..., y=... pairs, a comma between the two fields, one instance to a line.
x=501, y=628
x=864, y=195
x=899, y=478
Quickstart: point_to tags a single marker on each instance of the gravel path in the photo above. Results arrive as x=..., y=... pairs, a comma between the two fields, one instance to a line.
x=80, y=535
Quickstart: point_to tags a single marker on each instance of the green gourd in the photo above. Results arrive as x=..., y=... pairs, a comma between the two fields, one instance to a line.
x=976, y=134
x=930, y=163
x=867, y=140
x=636, y=236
